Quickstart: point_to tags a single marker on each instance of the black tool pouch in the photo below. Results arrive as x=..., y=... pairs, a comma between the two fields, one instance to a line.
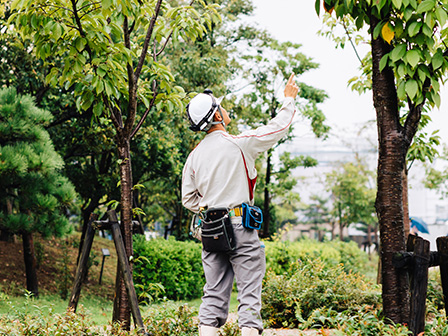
x=217, y=231
x=252, y=217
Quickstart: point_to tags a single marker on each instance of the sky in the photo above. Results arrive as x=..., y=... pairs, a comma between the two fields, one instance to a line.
x=345, y=110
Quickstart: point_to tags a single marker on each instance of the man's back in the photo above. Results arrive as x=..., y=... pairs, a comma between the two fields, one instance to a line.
x=218, y=171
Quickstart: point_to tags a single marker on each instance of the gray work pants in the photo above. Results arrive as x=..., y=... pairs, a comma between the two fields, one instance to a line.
x=247, y=265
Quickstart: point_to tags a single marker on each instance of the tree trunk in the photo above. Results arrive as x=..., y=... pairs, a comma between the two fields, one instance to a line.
x=29, y=257
x=267, y=197
x=406, y=223
x=389, y=201
x=122, y=311
x=5, y=235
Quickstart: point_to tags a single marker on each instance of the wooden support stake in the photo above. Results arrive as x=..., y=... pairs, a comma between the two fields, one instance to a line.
x=442, y=248
x=419, y=285
x=82, y=265
x=126, y=271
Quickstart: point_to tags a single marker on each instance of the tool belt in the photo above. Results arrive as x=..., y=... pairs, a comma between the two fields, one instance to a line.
x=217, y=231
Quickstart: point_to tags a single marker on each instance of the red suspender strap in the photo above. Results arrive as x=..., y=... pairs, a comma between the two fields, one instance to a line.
x=250, y=182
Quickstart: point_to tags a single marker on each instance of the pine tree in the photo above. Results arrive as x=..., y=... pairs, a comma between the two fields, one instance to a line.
x=34, y=196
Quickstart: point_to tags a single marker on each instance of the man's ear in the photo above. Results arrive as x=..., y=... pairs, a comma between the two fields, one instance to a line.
x=217, y=116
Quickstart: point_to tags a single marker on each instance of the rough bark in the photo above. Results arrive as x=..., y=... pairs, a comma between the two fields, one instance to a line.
x=389, y=202
x=29, y=257
x=406, y=222
x=122, y=312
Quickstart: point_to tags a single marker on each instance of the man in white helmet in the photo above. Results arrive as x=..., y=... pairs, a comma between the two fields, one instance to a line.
x=220, y=174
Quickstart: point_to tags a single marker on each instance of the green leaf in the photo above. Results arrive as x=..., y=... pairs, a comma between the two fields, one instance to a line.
x=401, y=70
x=441, y=16
x=435, y=98
x=437, y=60
x=98, y=109
x=414, y=28
x=401, y=92
x=435, y=84
x=377, y=30
x=413, y=57
x=383, y=61
x=398, y=52
x=101, y=71
x=108, y=87
x=80, y=43
x=426, y=6
x=421, y=75
x=411, y=88
x=105, y=4
x=426, y=30
x=397, y=3
x=57, y=32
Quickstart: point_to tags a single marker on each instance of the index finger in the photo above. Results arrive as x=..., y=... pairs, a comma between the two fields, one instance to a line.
x=291, y=79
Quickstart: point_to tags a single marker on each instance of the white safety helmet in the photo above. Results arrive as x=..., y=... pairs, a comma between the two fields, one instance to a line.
x=201, y=109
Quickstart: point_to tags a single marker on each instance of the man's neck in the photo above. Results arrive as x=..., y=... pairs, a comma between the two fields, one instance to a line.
x=218, y=127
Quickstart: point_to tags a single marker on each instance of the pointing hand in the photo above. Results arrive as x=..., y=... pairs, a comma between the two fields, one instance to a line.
x=291, y=88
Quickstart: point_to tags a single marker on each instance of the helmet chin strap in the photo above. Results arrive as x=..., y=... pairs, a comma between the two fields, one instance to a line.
x=222, y=119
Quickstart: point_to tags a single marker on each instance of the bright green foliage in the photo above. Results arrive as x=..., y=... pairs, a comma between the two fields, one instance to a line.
x=424, y=145
x=352, y=189
x=33, y=193
x=281, y=257
x=289, y=300
x=174, y=264
x=416, y=32
x=98, y=40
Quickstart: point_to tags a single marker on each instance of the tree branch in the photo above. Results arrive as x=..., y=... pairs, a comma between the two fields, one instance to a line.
x=166, y=42
x=351, y=42
x=147, y=40
x=169, y=37
x=116, y=119
x=79, y=27
x=151, y=104
x=132, y=84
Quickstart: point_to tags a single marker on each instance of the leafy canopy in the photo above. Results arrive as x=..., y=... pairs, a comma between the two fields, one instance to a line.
x=101, y=41
x=416, y=32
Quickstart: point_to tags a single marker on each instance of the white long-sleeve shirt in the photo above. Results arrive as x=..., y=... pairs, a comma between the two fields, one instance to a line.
x=220, y=171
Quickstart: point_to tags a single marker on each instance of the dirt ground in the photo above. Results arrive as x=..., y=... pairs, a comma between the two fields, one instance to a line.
x=53, y=258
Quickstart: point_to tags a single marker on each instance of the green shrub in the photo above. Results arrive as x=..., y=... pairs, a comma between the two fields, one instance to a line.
x=22, y=323
x=169, y=321
x=438, y=326
x=289, y=300
x=280, y=256
x=176, y=265
x=362, y=322
x=434, y=296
